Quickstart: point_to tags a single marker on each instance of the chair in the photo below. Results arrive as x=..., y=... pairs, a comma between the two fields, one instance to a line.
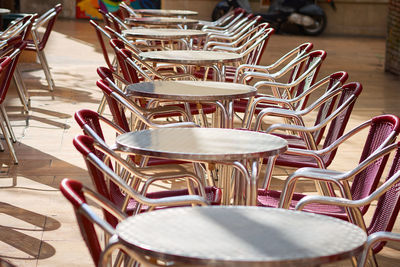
x=100, y=32
x=301, y=74
x=118, y=103
x=129, y=193
x=133, y=73
x=7, y=67
x=387, y=196
x=38, y=43
x=20, y=27
x=89, y=221
x=238, y=13
x=372, y=239
x=251, y=46
x=325, y=105
x=129, y=12
x=222, y=20
x=382, y=131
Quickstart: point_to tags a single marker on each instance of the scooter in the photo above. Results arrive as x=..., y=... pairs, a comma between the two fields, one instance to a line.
x=306, y=14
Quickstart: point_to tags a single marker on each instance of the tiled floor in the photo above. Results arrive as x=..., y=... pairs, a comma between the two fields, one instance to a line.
x=37, y=226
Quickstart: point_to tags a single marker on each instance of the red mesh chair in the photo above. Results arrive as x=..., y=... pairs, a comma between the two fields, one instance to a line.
x=327, y=106
x=118, y=103
x=382, y=131
x=38, y=43
x=90, y=224
x=301, y=74
x=387, y=195
x=371, y=241
x=133, y=73
x=100, y=32
x=125, y=192
x=251, y=48
x=8, y=64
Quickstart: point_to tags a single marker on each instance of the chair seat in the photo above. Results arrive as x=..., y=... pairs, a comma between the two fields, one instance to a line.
x=270, y=198
x=213, y=194
x=295, y=161
x=31, y=46
x=229, y=73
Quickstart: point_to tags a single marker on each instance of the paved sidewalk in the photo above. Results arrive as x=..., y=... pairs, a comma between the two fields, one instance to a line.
x=37, y=225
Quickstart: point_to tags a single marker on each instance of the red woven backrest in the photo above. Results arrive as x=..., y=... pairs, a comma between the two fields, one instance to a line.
x=99, y=33
x=327, y=108
x=127, y=70
x=116, y=110
x=85, y=145
x=13, y=50
x=50, y=24
x=367, y=181
x=338, y=124
x=388, y=206
x=72, y=190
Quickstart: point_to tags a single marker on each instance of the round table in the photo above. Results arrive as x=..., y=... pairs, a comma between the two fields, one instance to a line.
x=164, y=21
x=241, y=236
x=195, y=91
x=166, y=12
x=213, y=59
x=163, y=33
x=238, y=148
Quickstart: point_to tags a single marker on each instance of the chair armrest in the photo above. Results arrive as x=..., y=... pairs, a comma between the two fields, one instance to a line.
x=372, y=240
x=276, y=112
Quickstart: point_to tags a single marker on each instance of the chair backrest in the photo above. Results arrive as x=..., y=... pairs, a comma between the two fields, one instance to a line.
x=127, y=10
x=256, y=45
x=50, y=18
x=383, y=131
x=100, y=32
x=12, y=52
x=117, y=110
x=91, y=121
x=326, y=109
x=77, y=195
x=388, y=206
x=124, y=57
x=21, y=26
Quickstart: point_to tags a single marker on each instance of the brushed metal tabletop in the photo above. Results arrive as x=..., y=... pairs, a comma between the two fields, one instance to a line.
x=241, y=236
x=163, y=33
x=161, y=21
x=166, y=12
x=201, y=144
x=191, y=57
x=191, y=90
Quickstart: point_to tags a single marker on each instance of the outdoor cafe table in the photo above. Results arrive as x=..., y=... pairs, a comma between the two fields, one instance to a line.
x=220, y=93
x=161, y=21
x=213, y=59
x=166, y=12
x=165, y=34
x=212, y=146
x=241, y=236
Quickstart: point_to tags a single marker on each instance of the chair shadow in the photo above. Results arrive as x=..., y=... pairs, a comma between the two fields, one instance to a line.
x=35, y=248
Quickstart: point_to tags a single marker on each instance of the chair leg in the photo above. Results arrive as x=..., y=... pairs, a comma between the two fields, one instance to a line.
x=46, y=69
x=102, y=105
x=7, y=138
x=21, y=89
x=8, y=124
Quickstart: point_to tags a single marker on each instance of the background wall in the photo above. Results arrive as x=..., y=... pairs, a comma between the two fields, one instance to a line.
x=356, y=17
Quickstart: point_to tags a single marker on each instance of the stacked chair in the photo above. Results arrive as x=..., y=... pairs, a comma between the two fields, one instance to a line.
x=313, y=113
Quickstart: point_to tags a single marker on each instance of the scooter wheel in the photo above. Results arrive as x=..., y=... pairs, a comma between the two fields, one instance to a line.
x=317, y=28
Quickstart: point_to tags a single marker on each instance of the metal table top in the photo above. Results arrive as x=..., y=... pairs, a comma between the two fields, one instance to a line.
x=166, y=12
x=241, y=236
x=161, y=21
x=191, y=57
x=201, y=144
x=191, y=90
x=163, y=33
